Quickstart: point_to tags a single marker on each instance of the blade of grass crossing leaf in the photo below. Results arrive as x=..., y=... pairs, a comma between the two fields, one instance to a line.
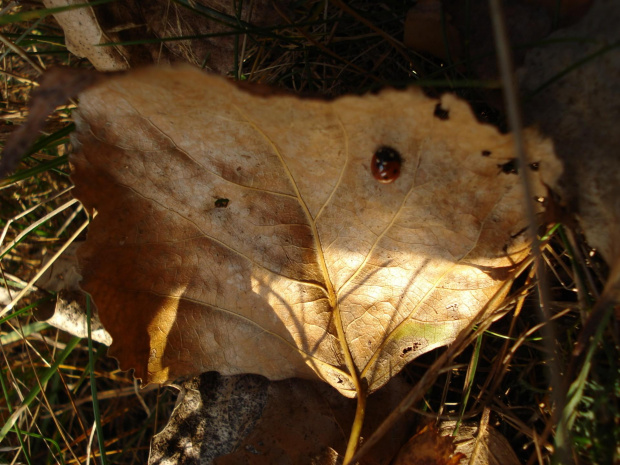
x=513, y=114
x=93, y=385
x=469, y=381
x=45, y=377
x=101, y=350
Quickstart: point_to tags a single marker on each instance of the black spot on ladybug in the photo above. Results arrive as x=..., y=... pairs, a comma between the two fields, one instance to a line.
x=486, y=153
x=510, y=167
x=221, y=203
x=386, y=164
x=441, y=113
x=534, y=166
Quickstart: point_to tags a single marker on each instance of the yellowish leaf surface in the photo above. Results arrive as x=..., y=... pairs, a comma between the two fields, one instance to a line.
x=241, y=230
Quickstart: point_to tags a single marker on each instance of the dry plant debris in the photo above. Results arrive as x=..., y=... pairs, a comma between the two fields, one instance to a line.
x=580, y=112
x=258, y=54
x=313, y=268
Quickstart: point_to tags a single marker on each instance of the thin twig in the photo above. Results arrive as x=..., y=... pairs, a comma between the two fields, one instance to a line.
x=513, y=113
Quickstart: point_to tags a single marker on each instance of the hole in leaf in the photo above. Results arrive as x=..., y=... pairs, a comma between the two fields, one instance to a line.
x=510, y=167
x=441, y=113
x=406, y=350
x=221, y=203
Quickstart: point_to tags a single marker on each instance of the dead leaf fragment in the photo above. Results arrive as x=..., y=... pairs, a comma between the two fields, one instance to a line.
x=246, y=419
x=69, y=311
x=83, y=36
x=213, y=415
x=580, y=110
x=489, y=448
x=312, y=259
x=428, y=447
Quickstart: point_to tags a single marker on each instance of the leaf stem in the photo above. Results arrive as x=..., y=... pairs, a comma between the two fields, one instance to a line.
x=358, y=422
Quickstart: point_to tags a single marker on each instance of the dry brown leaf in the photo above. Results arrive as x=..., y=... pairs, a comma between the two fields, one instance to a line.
x=310, y=259
x=428, y=447
x=488, y=448
x=69, y=311
x=580, y=108
x=212, y=417
x=231, y=420
x=83, y=36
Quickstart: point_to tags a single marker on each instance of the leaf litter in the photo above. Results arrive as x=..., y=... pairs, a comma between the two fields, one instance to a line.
x=313, y=269
x=333, y=275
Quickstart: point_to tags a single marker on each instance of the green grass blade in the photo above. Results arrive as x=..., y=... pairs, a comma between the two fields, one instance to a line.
x=28, y=173
x=26, y=330
x=45, y=377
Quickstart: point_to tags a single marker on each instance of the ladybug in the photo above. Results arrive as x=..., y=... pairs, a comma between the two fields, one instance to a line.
x=386, y=163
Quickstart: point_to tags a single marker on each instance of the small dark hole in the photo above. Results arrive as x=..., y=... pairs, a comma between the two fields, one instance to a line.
x=534, y=166
x=406, y=350
x=510, y=167
x=486, y=153
x=221, y=203
x=441, y=113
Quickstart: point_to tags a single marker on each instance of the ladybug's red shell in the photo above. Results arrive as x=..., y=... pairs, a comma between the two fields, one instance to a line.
x=385, y=165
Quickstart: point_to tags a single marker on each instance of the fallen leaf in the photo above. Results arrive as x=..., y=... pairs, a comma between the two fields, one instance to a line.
x=489, y=448
x=83, y=36
x=69, y=311
x=242, y=419
x=577, y=104
x=212, y=417
x=314, y=268
x=428, y=447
